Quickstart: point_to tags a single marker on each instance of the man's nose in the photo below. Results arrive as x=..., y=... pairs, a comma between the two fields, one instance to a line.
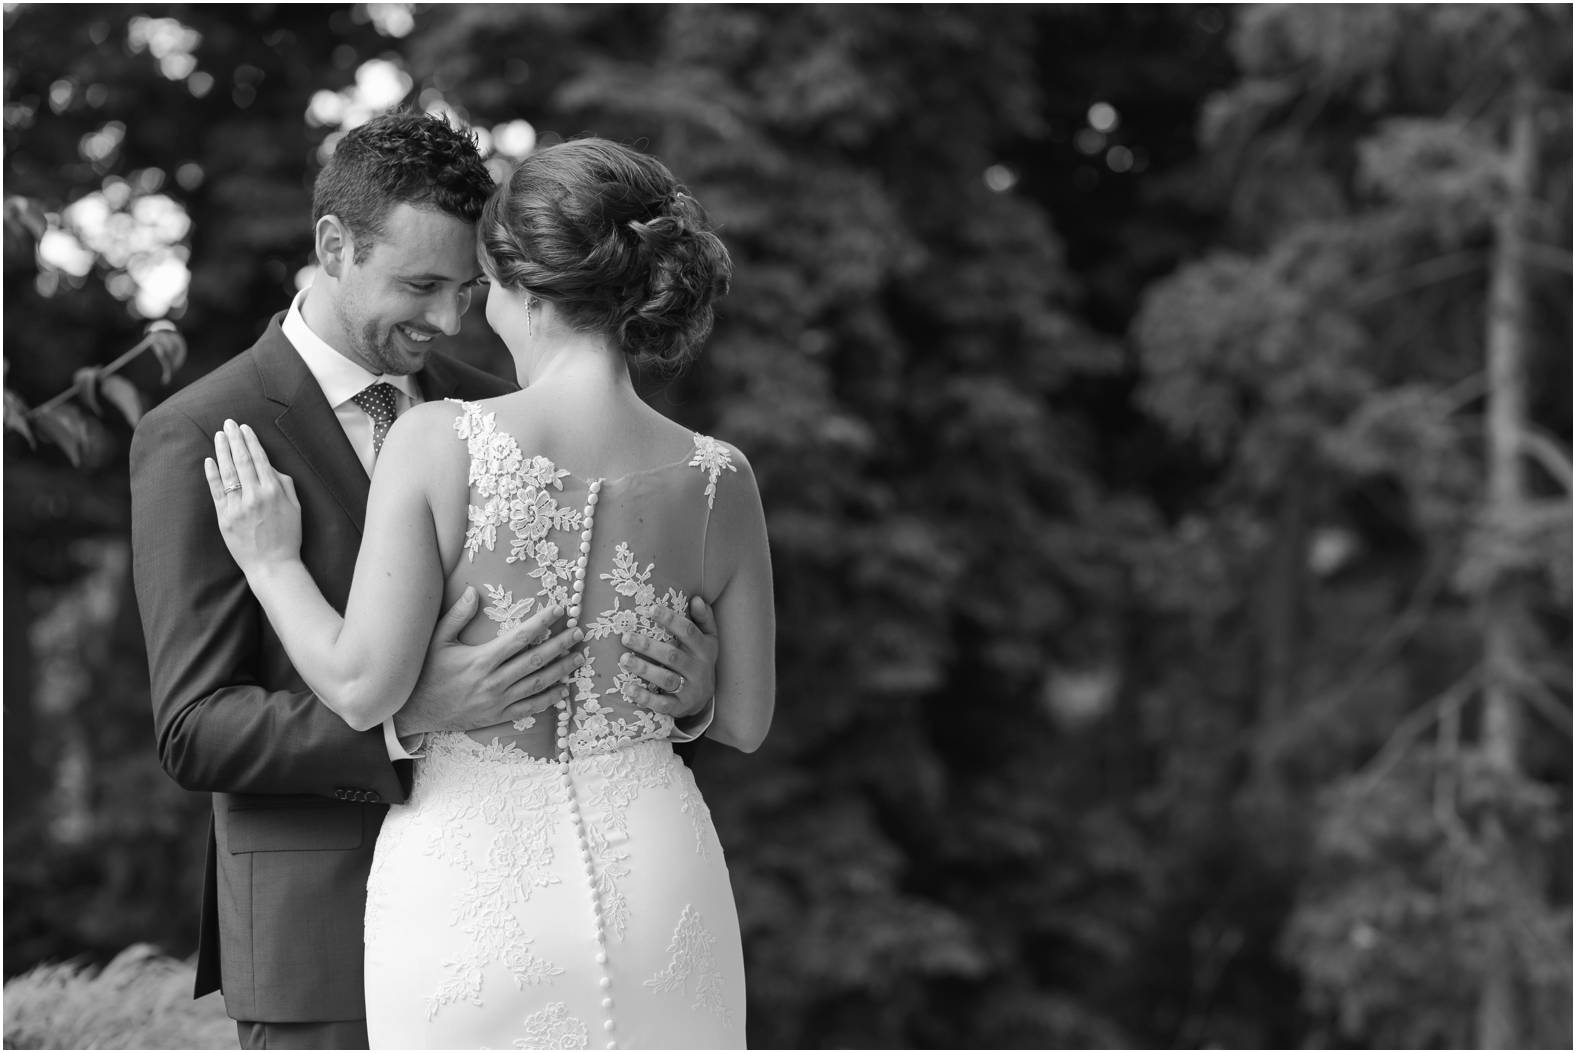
x=447, y=311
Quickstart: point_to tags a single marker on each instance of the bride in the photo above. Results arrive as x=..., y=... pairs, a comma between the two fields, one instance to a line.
x=556, y=882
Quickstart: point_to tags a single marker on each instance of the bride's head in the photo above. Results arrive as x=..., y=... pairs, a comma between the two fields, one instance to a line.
x=608, y=237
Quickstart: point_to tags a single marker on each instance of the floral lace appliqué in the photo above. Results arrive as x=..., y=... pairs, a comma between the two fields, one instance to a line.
x=505, y=609
x=516, y=493
x=618, y=778
x=711, y=457
x=485, y=783
x=517, y=497
x=694, y=806
x=510, y=613
x=594, y=727
x=693, y=967
x=553, y=1028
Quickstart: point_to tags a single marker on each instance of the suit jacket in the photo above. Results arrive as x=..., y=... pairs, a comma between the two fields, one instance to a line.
x=298, y=796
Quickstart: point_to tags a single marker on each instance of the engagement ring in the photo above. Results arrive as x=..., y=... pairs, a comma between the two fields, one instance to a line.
x=233, y=487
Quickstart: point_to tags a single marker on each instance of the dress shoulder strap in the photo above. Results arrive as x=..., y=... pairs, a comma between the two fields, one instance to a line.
x=712, y=457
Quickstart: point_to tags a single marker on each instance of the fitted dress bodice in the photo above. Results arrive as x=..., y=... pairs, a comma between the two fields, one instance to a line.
x=607, y=551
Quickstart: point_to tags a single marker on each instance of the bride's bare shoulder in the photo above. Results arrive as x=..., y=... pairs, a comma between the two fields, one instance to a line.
x=417, y=436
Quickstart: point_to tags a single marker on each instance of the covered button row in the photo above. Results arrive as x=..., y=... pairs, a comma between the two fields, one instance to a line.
x=350, y=793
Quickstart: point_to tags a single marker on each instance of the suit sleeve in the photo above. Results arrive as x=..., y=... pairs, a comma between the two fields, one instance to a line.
x=218, y=728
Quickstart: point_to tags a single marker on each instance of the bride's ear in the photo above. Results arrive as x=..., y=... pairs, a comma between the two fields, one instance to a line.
x=333, y=245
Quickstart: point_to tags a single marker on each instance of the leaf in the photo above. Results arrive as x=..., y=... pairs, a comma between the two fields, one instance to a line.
x=16, y=417
x=124, y=396
x=86, y=383
x=26, y=213
x=169, y=347
x=63, y=426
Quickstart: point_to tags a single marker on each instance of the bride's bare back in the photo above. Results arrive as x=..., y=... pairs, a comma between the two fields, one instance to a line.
x=628, y=516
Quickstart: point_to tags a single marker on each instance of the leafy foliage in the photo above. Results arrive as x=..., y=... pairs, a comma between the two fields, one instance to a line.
x=1128, y=519
x=139, y=1000
x=1336, y=360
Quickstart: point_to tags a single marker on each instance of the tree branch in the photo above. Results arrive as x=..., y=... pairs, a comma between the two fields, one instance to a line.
x=1414, y=724
x=1544, y=702
x=1417, y=608
x=1421, y=275
x=1554, y=259
x=1543, y=449
x=114, y=367
x=1463, y=391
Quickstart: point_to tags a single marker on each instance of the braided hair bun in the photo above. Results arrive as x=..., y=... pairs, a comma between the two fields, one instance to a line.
x=611, y=238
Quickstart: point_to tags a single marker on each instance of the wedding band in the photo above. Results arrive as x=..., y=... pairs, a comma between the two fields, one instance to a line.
x=232, y=488
x=680, y=688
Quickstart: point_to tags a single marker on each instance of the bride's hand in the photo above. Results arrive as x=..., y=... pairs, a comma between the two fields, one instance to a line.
x=259, y=515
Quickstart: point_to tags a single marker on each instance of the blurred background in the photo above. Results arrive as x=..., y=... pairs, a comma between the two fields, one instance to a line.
x=1163, y=416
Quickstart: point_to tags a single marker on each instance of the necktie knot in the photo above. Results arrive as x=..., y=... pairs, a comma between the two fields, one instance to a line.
x=378, y=400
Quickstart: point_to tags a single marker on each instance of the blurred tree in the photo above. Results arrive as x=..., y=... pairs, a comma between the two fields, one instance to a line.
x=1110, y=590
x=145, y=137
x=1396, y=179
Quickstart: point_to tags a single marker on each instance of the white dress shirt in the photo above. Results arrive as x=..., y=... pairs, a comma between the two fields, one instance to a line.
x=341, y=380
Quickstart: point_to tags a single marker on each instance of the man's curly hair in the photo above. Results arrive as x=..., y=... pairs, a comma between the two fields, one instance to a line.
x=412, y=158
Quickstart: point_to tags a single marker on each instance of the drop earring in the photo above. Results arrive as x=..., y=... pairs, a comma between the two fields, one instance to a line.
x=529, y=303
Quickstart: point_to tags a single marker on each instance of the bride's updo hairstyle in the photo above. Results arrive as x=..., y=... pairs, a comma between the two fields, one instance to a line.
x=615, y=242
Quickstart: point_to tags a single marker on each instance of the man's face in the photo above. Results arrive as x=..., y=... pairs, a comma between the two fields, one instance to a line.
x=415, y=283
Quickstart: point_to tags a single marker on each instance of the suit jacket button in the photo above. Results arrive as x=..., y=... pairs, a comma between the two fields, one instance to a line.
x=340, y=793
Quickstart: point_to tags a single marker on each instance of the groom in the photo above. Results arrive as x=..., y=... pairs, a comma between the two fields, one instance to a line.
x=298, y=797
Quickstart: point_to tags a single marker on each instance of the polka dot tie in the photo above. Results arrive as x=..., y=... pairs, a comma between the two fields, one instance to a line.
x=378, y=400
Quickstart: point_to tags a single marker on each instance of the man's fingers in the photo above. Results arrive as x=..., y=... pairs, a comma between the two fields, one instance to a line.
x=456, y=617
x=702, y=614
x=528, y=646
x=655, y=650
x=665, y=680
x=543, y=679
x=675, y=623
x=535, y=627
x=530, y=707
x=672, y=705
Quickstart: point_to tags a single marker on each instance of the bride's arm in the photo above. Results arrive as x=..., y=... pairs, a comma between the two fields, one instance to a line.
x=739, y=558
x=364, y=664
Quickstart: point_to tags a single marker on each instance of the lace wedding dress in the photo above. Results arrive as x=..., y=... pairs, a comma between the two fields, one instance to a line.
x=564, y=889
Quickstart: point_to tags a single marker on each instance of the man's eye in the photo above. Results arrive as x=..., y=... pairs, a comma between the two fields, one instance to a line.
x=421, y=287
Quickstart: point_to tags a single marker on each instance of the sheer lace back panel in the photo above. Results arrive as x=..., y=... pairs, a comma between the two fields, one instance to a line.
x=608, y=551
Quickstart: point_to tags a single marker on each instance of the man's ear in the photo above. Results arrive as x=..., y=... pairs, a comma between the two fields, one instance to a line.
x=333, y=244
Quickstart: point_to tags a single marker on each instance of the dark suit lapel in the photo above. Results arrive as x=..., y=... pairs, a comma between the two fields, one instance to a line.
x=308, y=423
x=438, y=379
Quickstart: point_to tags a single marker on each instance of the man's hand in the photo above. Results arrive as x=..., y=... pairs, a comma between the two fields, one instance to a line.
x=684, y=672
x=464, y=687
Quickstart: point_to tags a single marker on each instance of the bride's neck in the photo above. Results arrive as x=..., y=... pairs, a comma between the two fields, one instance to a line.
x=585, y=364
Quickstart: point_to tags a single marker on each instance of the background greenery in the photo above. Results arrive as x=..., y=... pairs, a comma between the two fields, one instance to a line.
x=1163, y=419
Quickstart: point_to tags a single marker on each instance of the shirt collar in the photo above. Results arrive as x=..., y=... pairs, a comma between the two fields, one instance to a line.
x=338, y=376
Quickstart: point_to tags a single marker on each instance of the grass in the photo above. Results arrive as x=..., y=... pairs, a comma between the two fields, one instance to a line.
x=141, y=1000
